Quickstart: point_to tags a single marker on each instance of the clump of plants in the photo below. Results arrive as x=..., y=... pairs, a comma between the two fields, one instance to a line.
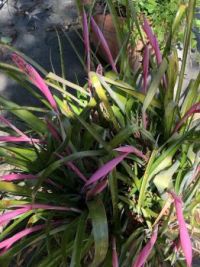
x=103, y=174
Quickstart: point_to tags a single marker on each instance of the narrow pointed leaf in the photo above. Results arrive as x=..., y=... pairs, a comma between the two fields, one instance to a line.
x=18, y=139
x=97, y=189
x=35, y=78
x=86, y=38
x=132, y=149
x=98, y=217
x=157, y=51
x=145, y=252
x=34, y=122
x=149, y=33
x=155, y=84
x=78, y=242
x=6, y=217
x=105, y=169
x=186, y=243
x=6, y=244
x=153, y=40
x=7, y=122
x=47, y=207
x=194, y=109
x=94, y=79
x=17, y=176
x=145, y=65
x=53, y=131
x=103, y=42
x=75, y=169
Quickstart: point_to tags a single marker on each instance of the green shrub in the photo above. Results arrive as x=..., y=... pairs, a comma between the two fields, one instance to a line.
x=104, y=170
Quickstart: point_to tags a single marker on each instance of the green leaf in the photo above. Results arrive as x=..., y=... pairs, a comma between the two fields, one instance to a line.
x=103, y=97
x=145, y=180
x=191, y=97
x=15, y=189
x=34, y=122
x=119, y=99
x=54, y=259
x=77, y=245
x=8, y=230
x=93, y=132
x=54, y=77
x=154, y=85
x=57, y=164
x=186, y=44
x=118, y=114
x=131, y=91
x=97, y=214
x=163, y=180
x=123, y=135
x=179, y=15
x=29, y=241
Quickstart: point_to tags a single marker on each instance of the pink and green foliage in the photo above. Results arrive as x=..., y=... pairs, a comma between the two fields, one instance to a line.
x=35, y=78
x=90, y=182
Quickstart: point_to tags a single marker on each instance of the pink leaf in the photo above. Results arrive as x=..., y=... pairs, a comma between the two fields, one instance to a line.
x=18, y=139
x=145, y=252
x=6, y=217
x=46, y=207
x=35, y=78
x=104, y=43
x=6, y=244
x=145, y=120
x=157, y=51
x=86, y=39
x=49, y=181
x=97, y=189
x=145, y=68
x=17, y=176
x=53, y=131
x=132, y=149
x=73, y=167
x=105, y=169
x=109, y=166
x=184, y=235
x=5, y=121
x=115, y=262
x=194, y=109
x=149, y=33
x=153, y=40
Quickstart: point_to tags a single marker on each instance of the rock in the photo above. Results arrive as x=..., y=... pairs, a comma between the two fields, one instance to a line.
x=30, y=27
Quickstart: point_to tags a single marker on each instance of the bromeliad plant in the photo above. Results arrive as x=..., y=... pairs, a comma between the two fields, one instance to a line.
x=107, y=175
